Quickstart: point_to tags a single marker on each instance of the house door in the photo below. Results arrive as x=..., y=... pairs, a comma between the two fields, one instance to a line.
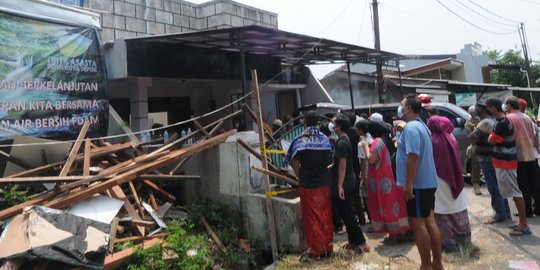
x=285, y=104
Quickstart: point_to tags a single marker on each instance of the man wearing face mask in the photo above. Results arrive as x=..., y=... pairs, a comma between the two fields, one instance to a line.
x=484, y=152
x=415, y=170
x=344, y=185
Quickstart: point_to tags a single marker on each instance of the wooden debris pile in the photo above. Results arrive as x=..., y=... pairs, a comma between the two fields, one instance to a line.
x=120, y=171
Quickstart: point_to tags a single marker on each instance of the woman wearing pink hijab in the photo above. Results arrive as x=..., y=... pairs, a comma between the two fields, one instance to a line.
x=451, y=201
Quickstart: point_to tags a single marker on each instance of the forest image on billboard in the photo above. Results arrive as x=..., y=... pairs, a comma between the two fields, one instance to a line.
x=52, y=80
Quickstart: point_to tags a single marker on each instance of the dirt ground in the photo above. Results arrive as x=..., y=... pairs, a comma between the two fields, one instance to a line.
x=495, y=247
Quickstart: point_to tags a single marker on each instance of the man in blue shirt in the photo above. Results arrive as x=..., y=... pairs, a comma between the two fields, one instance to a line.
x=415, y=171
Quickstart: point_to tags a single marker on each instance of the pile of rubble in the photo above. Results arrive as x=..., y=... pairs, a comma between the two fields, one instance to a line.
x=93, y=196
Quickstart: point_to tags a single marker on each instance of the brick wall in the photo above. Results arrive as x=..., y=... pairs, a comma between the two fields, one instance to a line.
x=134, y=18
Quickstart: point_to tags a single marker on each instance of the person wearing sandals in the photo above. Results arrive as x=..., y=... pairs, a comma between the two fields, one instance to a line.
x=484, y=151
x=505, y=160
x=415, y=171
x=451, y=201
x=386, y=201
x=309, y=156
x=343, y=181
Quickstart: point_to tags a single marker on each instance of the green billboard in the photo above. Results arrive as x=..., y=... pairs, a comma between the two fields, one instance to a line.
x=52, y=79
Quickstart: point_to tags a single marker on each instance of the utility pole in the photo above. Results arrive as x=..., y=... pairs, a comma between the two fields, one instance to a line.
x=524, y=45
x=380, y=81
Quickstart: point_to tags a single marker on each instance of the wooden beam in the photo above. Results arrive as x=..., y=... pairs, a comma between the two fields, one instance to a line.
x=41, y=179
x=269, y=205
x=161, y=191
x=86, y=163
x=180, y=141
x=166, y=177
x=253, y=117
x=276, y=175
x=76, y=146
x=17, y=161
x=200, y=127
x=252, y=151
x=65, y=201
x=136, y=198
x=213, y=234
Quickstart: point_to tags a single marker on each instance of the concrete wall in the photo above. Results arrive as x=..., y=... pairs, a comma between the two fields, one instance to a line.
x=134, y=18
x=226, y=176
x=473, y=60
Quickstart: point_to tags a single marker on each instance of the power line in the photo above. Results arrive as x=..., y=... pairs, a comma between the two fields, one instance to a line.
x=488, y=11
x=362, y=22
x=530, y=2
x=484, y=16
x=472, y=24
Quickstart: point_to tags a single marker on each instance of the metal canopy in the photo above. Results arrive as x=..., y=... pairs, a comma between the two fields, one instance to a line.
x=289, y=47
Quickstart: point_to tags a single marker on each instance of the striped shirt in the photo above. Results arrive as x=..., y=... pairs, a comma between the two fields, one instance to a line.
x=505, y=150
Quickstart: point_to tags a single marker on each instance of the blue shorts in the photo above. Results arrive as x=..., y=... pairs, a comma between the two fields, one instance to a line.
x=422, y=204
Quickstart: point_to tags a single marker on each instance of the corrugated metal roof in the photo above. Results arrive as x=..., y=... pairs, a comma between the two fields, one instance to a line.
x=289, y=47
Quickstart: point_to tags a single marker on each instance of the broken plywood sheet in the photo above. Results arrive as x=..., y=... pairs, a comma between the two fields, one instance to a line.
x=32, y=154
x=99, y=208
x=46, y=233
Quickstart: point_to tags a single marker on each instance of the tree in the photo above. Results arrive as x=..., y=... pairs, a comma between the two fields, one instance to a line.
x=511, y=75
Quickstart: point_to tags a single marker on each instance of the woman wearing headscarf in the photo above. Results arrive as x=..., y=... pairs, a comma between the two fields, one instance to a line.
x=451, y=201
x=386, y=201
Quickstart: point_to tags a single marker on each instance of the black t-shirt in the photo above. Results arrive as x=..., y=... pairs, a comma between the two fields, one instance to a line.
x=354, y=139
x=343, y=150
x=314, y=168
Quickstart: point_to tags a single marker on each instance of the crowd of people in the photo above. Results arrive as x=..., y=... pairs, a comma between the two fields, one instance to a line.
x=407, y=177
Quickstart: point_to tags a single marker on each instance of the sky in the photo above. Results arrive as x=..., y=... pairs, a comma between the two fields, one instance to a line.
x=411, y=26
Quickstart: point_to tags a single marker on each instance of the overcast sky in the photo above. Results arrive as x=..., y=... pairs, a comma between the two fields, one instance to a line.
x=412, y=26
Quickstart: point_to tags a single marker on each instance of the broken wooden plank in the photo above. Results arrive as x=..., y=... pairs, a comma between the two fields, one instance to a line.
x=16, y=209
x=136, y=198
x=86, y=163
x=41, y=179
x=182, y=140
x=117, y=193
x=140, y=238
x=152, y=200
x=115, y=260
x=65, y=201
x=142, y=222
x=167, y=177
x=112, y=233
x=276, y=175
x=257, y=155
x=94, y=154
x=76, y=146
x=213, y=234
x=123, y=167
x=161, y=191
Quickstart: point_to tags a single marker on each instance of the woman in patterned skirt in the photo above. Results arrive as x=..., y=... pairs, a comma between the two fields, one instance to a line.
x=386, y=201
